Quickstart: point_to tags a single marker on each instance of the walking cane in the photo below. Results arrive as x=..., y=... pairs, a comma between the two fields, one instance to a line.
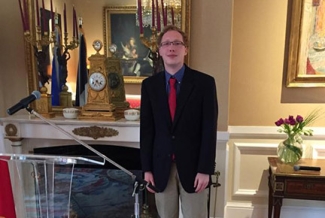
x=216, y=185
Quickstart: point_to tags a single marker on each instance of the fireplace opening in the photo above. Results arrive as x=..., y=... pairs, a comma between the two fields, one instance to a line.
x=103, y=191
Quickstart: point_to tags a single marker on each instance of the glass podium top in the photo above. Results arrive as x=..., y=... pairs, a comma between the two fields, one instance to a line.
x=54, y=159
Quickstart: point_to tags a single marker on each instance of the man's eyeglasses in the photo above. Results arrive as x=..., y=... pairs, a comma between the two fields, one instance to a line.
x=175, y=43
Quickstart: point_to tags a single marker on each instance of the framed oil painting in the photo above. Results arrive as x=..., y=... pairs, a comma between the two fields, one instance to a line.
x=121, y=30
x=306, y=56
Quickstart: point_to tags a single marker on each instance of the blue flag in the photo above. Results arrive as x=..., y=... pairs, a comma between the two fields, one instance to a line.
x=82, y=75
x=55, y=86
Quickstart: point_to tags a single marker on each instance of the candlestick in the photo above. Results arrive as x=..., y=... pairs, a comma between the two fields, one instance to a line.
x=37, y=13
x=77, y=27
x=26, y=15
x=52, y=16
x=43, y=18
x=140, y=16
x=153, y=13
x=80, y=21
x=163, y=11
x=158, y=16
x=56, y=18
x=41, y=40
x=165, y=18
x=73, y=22
x=172, y=11
x=65, y=18
x=158, y=22
x=43, y=27
x=22, y=15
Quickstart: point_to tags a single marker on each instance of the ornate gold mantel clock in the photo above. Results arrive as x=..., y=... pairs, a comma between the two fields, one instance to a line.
x=106, y=93
x=99, y=105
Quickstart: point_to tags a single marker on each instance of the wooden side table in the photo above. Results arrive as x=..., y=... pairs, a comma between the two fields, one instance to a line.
x=284, y=182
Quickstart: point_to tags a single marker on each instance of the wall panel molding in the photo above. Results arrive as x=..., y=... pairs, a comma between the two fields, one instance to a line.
x=249, y=148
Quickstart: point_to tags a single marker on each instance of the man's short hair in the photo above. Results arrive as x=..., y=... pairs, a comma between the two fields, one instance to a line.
x=172, y=28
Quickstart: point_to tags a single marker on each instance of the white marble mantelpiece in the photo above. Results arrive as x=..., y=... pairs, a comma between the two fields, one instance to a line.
x=128, y=129
x=31, y=127
x=33, y=132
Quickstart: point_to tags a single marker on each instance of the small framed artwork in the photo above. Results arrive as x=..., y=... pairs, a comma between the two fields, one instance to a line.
x=306, y=55
x=121, y=30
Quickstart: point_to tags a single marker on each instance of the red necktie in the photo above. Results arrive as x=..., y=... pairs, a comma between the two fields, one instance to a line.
x=172, y=97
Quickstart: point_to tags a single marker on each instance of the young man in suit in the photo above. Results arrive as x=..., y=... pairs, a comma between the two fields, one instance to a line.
x=178, y=142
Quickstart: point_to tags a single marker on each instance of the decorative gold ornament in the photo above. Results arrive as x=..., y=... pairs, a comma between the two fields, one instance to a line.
x=151, y=44
x=11, y=133
x=95, y=132
x=97, y=45
x=11, y=130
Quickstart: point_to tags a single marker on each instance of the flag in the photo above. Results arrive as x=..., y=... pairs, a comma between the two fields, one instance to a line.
x=82, y=75
x=55, y=85
x=7, y=204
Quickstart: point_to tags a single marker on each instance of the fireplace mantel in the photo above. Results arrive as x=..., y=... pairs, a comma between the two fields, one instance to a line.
x=30, y=131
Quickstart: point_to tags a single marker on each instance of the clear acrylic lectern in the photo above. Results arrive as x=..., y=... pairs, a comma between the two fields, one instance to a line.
x=39, y=187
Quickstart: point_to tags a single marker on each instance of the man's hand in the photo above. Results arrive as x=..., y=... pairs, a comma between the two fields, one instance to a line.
x=201, y=182
x=149, y=178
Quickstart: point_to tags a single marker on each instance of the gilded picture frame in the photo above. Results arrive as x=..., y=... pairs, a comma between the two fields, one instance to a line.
x=110, y=11
x=306, y=52
x=121, y=30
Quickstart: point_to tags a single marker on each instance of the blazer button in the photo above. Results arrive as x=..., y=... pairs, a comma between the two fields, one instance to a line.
x=173, y=137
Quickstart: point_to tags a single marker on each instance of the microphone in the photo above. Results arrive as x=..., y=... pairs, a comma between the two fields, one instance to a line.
x=23, y=103
x=297, y=168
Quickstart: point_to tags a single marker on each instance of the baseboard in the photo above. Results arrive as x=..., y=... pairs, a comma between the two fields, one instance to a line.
x=244, y=210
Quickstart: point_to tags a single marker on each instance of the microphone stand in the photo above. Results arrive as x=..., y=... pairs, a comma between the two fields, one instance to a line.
x=139, y=183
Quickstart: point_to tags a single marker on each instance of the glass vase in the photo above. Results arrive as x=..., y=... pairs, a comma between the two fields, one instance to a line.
x=290, y=150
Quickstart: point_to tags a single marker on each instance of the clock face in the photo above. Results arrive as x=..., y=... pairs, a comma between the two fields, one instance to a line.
x=97, y=81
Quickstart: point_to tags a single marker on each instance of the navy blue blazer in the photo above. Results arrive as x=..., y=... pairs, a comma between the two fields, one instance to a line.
x=192, y=134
